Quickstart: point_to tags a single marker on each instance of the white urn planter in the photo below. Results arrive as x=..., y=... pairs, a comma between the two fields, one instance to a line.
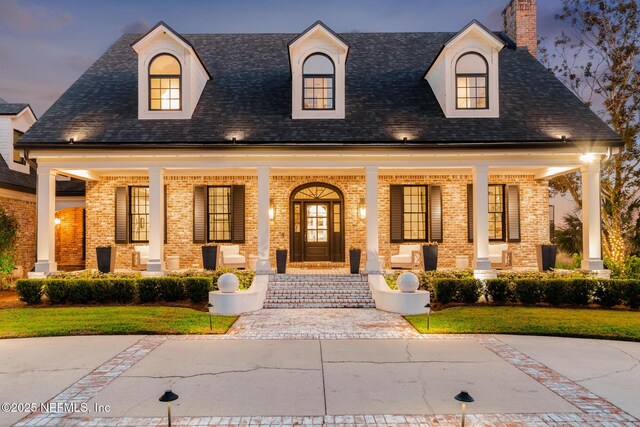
x=228, y=283
x=408, y=282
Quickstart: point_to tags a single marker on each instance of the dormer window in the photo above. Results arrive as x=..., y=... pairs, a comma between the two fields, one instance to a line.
x=319, y=83
x=471, y=82
x=165, y=78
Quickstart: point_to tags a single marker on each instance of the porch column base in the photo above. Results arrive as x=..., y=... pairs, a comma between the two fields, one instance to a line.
x=36, y=275
x=263, y=267
x=482, y=264
x=155, y=266
x=592, y=264
x=46, y=267
x=485, y=274
x=148, y=273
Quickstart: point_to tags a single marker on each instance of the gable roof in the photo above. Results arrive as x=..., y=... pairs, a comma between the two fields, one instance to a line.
x=386, y=98
x=7, y=109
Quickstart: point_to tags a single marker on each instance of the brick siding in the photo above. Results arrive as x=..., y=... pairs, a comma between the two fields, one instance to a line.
x=23, y=208
x=519, y=22
x=534, y=210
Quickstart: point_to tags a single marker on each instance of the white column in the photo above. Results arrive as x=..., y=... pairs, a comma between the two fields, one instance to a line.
x=156, y=219
x=591, y=226
x=373, y=263
x=481, y=218
x=263, y=266
x=46, y=214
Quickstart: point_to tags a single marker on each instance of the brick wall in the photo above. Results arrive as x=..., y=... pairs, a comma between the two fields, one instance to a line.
x=519, y=22
x=23, y=208
x=69, y=239
x=534, y=208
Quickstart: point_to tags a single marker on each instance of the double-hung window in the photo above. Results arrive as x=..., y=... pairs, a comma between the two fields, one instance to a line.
x=496, y=212
x=219, y=213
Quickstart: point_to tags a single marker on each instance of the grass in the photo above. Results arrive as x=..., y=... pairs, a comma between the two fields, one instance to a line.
x=126, y=320
x=566, y=322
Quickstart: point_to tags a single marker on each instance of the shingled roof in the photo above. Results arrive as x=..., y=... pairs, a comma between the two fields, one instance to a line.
x=7, y=109
x=250, y=92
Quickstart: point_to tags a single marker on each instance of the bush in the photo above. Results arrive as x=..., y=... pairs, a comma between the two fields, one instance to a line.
x=101, y=290
x=30, y=290
x=580, y=291
x=632, y=268
x=121, y=290
x=554, y=291
x=456, y=290
x=171, y=288
x=632, y=294
x=527, y=291
x=609, y=293
x=500, y=290
x=197, y=288
x=469, y=290
x=79, y=291
x=148, y=289
x=8, y=236
x=57, y=290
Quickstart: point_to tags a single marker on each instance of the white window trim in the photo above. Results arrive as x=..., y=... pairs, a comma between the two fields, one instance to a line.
x=493, y=81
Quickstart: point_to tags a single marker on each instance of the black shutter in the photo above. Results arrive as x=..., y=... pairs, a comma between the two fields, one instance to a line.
x=199, y=214
x=470, y=213
x=165, y=214
x=122, y=215
x=435, y=213
x=396, y=206
x=237, y=216
x=513, y=213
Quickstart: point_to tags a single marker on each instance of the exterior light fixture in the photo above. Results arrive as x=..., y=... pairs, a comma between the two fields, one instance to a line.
x=362, y=208
x=587, y=158
x=234, y=140
x=272, y=209
x=428, y=307
x=57, y=221
x=168, y=397
x=465, y=398
x=209, y=307
x=72, y=140
x=404, y=140
x=563, y=138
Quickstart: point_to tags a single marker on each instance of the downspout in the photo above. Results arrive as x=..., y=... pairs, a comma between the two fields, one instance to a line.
x=30, y=161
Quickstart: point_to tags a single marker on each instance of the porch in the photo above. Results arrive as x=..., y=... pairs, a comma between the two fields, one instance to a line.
x=318, y=206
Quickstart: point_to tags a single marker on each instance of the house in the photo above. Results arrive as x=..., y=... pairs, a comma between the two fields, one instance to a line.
x=318, y=142
x=18, y=198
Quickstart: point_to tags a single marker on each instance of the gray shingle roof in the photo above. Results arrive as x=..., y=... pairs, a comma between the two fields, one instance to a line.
x=11, y=109
x=251, y=92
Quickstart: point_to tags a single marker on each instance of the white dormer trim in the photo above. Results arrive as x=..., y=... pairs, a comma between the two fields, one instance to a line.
x=317, y=39
x=162, y=39
x=441, y=75
x=8, y=123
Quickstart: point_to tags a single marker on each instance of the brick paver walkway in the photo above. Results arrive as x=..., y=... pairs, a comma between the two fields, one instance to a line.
x=322, y=324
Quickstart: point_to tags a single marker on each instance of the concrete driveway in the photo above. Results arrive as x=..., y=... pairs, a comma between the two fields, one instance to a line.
x=322, y=381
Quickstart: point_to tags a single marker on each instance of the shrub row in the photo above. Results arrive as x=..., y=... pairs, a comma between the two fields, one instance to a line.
x=82, y=291
x=456, y=290
x=556, y=291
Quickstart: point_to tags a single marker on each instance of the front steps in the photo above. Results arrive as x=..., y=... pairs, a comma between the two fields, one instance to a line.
x=318, y=291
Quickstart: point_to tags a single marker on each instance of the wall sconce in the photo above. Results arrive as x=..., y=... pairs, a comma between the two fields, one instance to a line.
x=272, y=209
x=362, y=208
x=587, y=158
x=57, y=221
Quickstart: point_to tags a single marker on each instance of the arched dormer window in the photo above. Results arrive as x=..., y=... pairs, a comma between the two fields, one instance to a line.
x=472, y=82
x=318, y=83
x=165, y=83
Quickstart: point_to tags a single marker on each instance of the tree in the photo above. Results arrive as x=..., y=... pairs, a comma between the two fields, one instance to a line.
x=569, y=236
x=599, y=62
x=8, y=234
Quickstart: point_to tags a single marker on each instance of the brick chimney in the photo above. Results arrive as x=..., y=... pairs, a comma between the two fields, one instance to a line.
x=519, y=23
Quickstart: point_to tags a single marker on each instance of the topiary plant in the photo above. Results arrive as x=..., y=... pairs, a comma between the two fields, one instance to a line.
x=8, y=235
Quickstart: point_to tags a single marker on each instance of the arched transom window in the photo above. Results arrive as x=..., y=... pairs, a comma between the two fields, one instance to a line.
x=471, y=82
x=318, y=83
x=316, y=192
x=165, y=81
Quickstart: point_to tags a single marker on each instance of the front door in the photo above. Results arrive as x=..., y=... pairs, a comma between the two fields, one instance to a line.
x=317, y=233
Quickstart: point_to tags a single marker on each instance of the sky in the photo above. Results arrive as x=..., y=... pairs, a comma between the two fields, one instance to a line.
x=45, y=45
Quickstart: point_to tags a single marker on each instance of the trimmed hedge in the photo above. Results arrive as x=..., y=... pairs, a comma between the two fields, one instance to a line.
x=500, y=290
x=30, y=291
x=457, y=290
x=197, y=288
x=171, y=288
x=121, y=290
x=148, y=289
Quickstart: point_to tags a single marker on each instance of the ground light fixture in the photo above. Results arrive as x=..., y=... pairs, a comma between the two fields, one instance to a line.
x=168, y=397
x=209, y=307
x=465, y=398
x=428, y=307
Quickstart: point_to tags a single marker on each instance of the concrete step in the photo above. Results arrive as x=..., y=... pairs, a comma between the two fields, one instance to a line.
x=317, y=278
x=282, y=305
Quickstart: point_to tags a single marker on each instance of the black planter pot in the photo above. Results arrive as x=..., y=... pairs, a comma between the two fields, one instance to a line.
x=430, y=257
x=281, y=261
x=354, y=260
x=106, y=259
x=546, y=255
x=209, y=257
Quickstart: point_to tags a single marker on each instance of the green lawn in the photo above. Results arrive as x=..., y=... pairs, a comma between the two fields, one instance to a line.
x=609, y=324
x=39, y=322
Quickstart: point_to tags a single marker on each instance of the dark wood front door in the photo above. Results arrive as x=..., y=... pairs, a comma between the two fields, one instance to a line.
x=317, y=232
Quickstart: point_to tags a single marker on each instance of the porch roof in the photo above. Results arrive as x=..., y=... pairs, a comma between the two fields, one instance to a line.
x=249, y=97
